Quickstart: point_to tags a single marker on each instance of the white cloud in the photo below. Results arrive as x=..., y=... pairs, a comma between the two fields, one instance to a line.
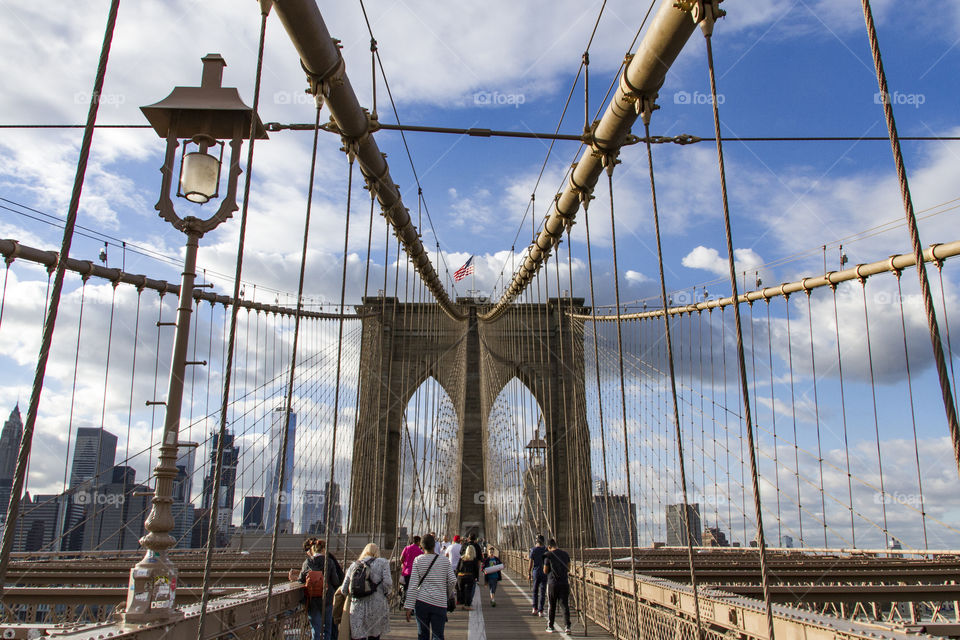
x=709, y=259
x=635, y=277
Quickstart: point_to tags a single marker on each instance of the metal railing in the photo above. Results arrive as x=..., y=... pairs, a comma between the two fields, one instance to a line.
x=664, y=610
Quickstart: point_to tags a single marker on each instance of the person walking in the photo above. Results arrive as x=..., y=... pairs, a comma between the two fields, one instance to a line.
x=407, y=556
x=320, y=609
x=431, y=583
x=472, y=541
x=468, y=573
x=556, y=566
x=494, y=577
x=536, y=575
x=368, y=582
x=444, y=545
x=453, y=551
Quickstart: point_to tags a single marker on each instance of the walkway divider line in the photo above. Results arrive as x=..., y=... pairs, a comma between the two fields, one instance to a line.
x=530, y=600
x=476, y=628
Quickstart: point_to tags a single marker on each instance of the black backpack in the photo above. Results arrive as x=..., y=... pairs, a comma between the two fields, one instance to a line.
x=361, y=584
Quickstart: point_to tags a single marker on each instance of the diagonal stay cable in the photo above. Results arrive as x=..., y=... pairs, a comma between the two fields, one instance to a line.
x=946, y=388
x=50, y=321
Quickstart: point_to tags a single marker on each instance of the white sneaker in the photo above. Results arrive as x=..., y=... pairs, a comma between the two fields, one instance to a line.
x=550, y=629
x=566, y=629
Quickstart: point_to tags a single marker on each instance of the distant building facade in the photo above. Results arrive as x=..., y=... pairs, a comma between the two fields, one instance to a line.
x=622, y=517
x=275, y=491
x=714, y=537
x=9, y=449
x=677, y=527
x=228, y=483
x=313, y=516
x=253, y=512
x=94, y=453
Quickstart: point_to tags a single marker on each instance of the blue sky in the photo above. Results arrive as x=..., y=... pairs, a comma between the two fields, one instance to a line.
x=785, y=68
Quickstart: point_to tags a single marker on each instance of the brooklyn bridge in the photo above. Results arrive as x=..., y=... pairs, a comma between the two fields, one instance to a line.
x=283, y=348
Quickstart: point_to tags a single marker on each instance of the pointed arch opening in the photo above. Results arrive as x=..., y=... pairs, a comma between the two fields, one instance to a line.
x=515, y=498
x=429, y=454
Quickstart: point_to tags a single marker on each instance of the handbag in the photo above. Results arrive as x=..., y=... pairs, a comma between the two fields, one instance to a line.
x=344, y=633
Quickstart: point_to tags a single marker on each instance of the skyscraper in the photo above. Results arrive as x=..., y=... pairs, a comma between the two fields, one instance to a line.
x=253, y=512
x=622, y=518
x=186, y=463
x=275, y=492
x=228, y=481
x=94, y=453
x=313, y=517
x=9, y=448
x=114, y=514
x=677, y=528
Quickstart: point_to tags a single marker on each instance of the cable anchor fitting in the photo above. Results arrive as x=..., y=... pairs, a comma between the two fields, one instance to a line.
x=585, y=194
x=320, y=84
x=704, y=12
x=646, y=105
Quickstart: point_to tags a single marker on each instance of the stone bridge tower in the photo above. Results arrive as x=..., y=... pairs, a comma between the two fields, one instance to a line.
x=404, y=344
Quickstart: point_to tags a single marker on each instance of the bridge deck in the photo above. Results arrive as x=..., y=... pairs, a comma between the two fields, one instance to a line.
x=510, y=619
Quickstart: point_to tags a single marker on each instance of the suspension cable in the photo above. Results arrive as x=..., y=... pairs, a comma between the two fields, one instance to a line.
x=213, y=516
x=673, y=385
x=53, y=306
x=706, y=25
x=946, y=387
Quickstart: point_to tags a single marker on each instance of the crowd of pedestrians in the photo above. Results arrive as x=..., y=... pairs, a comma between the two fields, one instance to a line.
x=436, y=578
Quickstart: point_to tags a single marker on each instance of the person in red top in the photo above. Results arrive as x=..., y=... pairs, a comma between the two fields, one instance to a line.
x=407, y=556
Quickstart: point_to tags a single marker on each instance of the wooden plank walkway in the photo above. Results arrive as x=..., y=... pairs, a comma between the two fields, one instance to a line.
x=510, y=619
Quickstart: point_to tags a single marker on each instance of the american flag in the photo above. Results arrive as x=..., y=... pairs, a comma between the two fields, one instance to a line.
x=464, y=271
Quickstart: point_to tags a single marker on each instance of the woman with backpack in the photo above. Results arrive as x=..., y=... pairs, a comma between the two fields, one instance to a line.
x=367, y=584
x=468, y=572
x=493, y=577
x=321, y=575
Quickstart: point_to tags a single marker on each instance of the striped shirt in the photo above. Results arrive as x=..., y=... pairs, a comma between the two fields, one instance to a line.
x=438, y=582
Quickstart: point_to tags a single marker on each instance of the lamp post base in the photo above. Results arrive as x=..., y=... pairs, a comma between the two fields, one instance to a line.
x=153, y=586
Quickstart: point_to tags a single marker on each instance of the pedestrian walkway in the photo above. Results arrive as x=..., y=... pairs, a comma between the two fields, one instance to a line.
x=510, y=619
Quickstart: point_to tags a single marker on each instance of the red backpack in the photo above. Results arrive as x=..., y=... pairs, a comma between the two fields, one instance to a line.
x=314, y=584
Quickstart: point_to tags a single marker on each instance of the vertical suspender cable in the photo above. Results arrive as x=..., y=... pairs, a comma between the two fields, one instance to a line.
x=231, y=340
x=876, y=419
x=793, y=412
x=673, y=381
x=773, y=421
x=843, y=414
x=707, y=26
x=946, y=321
x=946, y=388
x=53, y=306
x=631, y=526
x=913, y=414
x=285, y=443
x=603, y=439
x=343, y=291
x=3, y=297
x=816, y=413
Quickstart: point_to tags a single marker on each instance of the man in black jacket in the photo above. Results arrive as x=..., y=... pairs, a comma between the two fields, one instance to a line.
x=556, y=564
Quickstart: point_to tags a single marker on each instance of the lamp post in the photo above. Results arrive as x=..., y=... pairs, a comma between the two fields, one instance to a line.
x=202, y=118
